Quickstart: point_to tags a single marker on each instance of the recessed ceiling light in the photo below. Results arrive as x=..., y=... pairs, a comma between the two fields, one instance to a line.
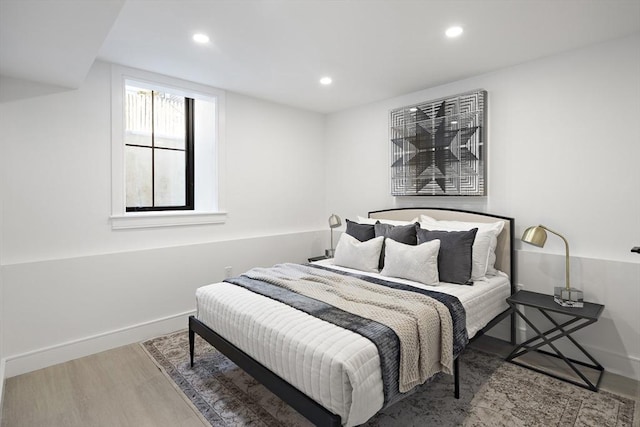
x=325, y=81
x=413, y=109
x=454, y=31
x=200, y=38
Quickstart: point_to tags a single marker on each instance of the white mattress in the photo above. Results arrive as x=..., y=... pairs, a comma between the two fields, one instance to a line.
x=336, y=367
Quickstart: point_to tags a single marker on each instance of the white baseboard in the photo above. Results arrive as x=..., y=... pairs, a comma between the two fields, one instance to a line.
x=621, y=364
x=41, y=358
x=3, y=363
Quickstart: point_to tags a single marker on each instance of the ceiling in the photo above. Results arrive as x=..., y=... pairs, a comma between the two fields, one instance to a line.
x=278, y=50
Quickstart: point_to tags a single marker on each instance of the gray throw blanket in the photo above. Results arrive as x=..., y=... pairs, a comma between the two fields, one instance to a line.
x=423, y=325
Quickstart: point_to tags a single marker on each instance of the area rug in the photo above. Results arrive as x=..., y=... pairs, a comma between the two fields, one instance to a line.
x=492, y=393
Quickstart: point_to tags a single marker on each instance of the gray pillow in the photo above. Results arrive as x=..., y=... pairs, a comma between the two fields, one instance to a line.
x=400, y=233
x=362, y=232
x=455, y=257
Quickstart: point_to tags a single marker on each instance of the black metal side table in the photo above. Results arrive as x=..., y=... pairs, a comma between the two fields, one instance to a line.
x=579, y=318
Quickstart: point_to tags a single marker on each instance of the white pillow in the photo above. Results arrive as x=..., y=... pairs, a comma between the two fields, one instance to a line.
x=371, y=221
x=352, y=253
x=484, y=245
x=496, y=227
x=418, y=263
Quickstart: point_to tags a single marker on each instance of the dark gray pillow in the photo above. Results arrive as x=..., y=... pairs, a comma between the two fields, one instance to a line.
x=455, y=256
x=362, y=232
x=400, y=233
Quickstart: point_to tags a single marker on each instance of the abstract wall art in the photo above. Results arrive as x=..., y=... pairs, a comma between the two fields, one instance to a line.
x=438, y=148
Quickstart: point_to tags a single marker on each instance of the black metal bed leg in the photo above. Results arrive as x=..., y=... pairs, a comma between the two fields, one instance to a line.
x=191, y=343
x=513, y=327
x=456, y=377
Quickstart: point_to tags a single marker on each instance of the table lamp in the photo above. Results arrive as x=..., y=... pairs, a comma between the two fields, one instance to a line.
x=565, y=296
x=334, y=222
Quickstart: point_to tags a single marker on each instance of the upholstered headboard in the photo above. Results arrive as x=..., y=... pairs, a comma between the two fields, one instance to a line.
x=504, y=249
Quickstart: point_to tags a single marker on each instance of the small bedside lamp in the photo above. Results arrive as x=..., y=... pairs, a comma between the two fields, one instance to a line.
x=334, y=222
x=565, y=296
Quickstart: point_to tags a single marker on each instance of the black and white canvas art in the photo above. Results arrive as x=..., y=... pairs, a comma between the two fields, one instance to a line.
x=438, y=147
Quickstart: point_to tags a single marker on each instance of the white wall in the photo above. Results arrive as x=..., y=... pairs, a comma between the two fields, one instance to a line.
x=2, y=359
x=73, y=286
x=56, y=173
x=563, y=151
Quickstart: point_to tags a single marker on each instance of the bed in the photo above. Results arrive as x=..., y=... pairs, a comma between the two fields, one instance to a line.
x=331, y=375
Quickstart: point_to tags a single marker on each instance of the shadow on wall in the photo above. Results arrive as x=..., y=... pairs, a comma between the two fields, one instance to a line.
x=17, y=89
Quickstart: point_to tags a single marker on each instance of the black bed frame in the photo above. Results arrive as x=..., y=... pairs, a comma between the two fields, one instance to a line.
x=299, y=401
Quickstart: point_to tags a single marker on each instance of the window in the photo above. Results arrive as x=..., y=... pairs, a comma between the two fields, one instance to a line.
x=158, y=141
x=167, y=139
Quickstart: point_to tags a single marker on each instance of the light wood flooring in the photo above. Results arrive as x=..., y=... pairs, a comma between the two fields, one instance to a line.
x=123, y=387
x=118, y=387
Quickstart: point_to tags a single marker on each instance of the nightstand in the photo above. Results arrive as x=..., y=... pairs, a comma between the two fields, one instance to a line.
x=318, y=258
x=578, y=318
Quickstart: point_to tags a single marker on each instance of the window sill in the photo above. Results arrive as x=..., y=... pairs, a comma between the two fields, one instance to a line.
x=165, y=219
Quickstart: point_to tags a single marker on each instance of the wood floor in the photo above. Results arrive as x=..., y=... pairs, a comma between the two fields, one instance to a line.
x=123, y=387
x=119, y=387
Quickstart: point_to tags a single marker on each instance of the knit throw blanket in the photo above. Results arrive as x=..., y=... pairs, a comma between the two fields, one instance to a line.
x=423, y=325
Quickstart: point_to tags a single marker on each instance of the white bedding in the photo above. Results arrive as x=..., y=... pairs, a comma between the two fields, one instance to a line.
x=336, y=367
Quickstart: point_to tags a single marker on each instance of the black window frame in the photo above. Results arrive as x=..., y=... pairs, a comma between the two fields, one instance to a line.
x=189, y=163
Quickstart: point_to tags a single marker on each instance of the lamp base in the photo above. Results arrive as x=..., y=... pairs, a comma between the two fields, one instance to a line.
x=329, y=253
x=571, y=297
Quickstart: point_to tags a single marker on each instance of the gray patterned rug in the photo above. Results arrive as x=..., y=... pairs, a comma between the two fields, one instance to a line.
x=493, y=393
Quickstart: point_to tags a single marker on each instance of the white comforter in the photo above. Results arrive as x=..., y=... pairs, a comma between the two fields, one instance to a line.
x=336, y=367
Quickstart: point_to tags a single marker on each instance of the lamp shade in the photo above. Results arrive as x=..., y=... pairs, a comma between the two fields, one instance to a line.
x=334, y=221
x=535, y=236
